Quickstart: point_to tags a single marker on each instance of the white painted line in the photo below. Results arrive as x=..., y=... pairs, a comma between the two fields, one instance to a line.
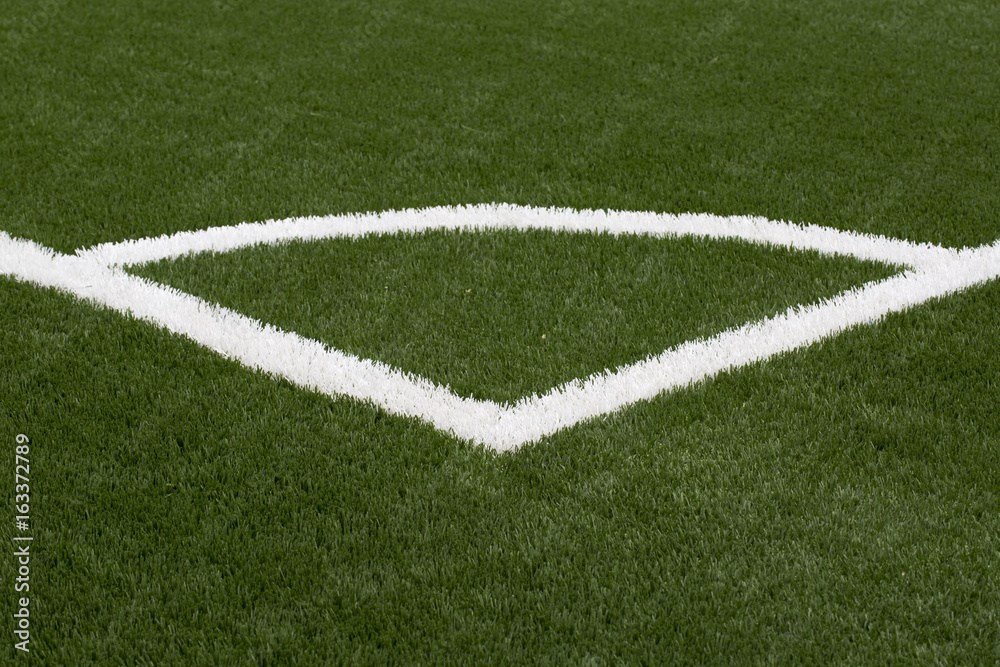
x=690, y=362
x=302, y=361
x=506, y=216
x=95, y=275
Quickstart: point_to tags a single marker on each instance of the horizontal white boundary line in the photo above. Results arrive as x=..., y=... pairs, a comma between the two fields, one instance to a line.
x=506, y=216
x=309, y=364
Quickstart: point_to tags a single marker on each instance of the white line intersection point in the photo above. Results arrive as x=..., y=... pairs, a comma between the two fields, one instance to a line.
x=97, y=274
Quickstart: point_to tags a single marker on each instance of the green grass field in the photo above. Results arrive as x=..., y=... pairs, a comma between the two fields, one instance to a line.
x=838, y=504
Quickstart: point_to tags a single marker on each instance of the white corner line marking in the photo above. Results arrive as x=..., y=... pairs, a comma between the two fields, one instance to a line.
x=825, y=240
x=96, y=275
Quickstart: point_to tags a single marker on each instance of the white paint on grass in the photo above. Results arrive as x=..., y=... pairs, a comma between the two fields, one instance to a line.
x=506, y=216
x=96, y=274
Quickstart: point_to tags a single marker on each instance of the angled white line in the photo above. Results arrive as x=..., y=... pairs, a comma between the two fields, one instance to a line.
x=96, y=275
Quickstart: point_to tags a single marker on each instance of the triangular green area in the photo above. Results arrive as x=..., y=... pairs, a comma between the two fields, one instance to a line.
x=504, y=314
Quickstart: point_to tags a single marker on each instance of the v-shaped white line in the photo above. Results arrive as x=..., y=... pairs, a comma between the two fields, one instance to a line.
x=97, y=275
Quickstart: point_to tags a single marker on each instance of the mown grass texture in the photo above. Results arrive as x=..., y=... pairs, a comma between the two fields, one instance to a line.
x=504, y=315
x=835, y=505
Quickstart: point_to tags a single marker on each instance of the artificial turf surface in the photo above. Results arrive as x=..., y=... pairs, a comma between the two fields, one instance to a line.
x=836, y=504
x=503, y=315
